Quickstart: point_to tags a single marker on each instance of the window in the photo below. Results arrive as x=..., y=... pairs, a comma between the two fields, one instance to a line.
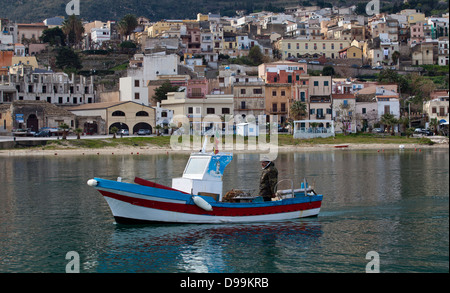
x=289, y=46
x=274, y=107
x=325, y=83
x=312, y=111
x=136, y=83
x=210, y=111
x=242, y=91
x=190, y=110
x=364, y=110
x=332, y=46
x=118, y=113
x=142, y=114
x=433, y=110
x=323, y=46
x=306, y=46
x=283, y=93
x=196, y=165
x=136, y=96
x=257, y=91
x=283, y=107
x=302, y=96
x=298, y=46
x=316, y=83
x=225, y=110
x=274, y=93
x=243, y=105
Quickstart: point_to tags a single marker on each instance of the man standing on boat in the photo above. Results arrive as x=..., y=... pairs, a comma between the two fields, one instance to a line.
x=268, y=180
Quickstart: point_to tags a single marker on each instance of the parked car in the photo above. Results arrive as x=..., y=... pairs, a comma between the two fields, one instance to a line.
x=377, y=130
x=123, y=132
x=366, y=66
x=143, y=132
x=377, y=67
x=43, y=133
x=427, y=132
x=314, y=62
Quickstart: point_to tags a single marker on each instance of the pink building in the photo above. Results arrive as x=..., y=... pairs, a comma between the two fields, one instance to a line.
x=197, y=88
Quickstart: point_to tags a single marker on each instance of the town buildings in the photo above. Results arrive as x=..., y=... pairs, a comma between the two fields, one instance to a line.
x=205, y=58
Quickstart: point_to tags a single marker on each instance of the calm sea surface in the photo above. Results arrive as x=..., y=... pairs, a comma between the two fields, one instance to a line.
x=395, y=203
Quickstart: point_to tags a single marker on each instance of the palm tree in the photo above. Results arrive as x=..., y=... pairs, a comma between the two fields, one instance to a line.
x=65, y=128
x=127, y=25
x=298, y=109
x=74, y=30
x=114, y=130
x=434, y=123
x=78, y=131
x=389, y=120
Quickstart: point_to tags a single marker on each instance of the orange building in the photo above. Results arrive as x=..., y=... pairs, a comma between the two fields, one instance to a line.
x=5, y=61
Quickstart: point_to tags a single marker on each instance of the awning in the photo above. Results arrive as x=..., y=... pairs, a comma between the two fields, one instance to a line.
x=443, y=122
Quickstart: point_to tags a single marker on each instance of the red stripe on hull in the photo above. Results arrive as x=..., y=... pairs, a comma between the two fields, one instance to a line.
x=217, y=211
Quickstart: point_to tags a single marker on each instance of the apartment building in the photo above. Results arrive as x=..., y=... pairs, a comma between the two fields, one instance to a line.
x=298, y=48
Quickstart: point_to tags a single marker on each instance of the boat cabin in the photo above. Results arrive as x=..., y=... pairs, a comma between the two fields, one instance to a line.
x=203, y=174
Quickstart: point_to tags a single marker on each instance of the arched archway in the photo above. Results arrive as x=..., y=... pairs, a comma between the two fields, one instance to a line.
x=142, y=125
x=119, y=126
x=33, y=122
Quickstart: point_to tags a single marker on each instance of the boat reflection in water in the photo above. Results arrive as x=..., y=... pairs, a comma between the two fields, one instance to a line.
x=255, y=247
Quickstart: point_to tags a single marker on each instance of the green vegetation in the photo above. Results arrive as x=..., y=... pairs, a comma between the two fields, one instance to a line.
x=283, y=140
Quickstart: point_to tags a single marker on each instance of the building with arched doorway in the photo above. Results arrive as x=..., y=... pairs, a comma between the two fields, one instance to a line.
x=102, y=117
x=33, y=115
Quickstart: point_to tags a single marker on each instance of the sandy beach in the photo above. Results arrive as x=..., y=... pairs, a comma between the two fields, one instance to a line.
x=151, y=150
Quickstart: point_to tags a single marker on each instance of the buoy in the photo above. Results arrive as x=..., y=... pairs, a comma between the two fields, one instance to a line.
x=92, y=182
x=56, y=154
x=201, y=203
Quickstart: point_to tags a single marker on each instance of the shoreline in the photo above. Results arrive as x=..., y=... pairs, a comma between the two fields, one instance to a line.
x=154, y=150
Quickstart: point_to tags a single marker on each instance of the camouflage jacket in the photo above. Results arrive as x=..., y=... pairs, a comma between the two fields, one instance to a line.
x=269, y=178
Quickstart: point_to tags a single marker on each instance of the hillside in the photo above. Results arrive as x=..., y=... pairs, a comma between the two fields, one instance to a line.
x=37, y=10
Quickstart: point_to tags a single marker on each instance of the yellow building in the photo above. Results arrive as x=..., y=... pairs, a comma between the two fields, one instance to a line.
x=351, y=52
x=123, y=115
x=297, y=48
x=28, y=60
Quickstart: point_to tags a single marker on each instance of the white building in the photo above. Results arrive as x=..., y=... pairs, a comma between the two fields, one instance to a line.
x=144, y=68
x=387, y=102
x=99, y=35
x=443, y=51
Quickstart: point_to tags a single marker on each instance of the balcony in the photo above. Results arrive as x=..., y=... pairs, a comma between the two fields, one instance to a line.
x=278, y=111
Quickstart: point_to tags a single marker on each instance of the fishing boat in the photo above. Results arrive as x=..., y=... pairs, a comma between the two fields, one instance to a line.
x=197, y=197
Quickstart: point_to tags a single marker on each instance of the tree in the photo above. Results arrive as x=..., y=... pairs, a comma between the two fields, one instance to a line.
x=114, y=130
x=328, y=71
x=395, y=57
x=78, y=131
x=127, y=25
x=434, y=123
x=65, y=129
x=256, y=56
x=74, y=30
x=68, y=59
x=389, y=120
x=53, y=36
x=298, y=109
x=160, y=92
